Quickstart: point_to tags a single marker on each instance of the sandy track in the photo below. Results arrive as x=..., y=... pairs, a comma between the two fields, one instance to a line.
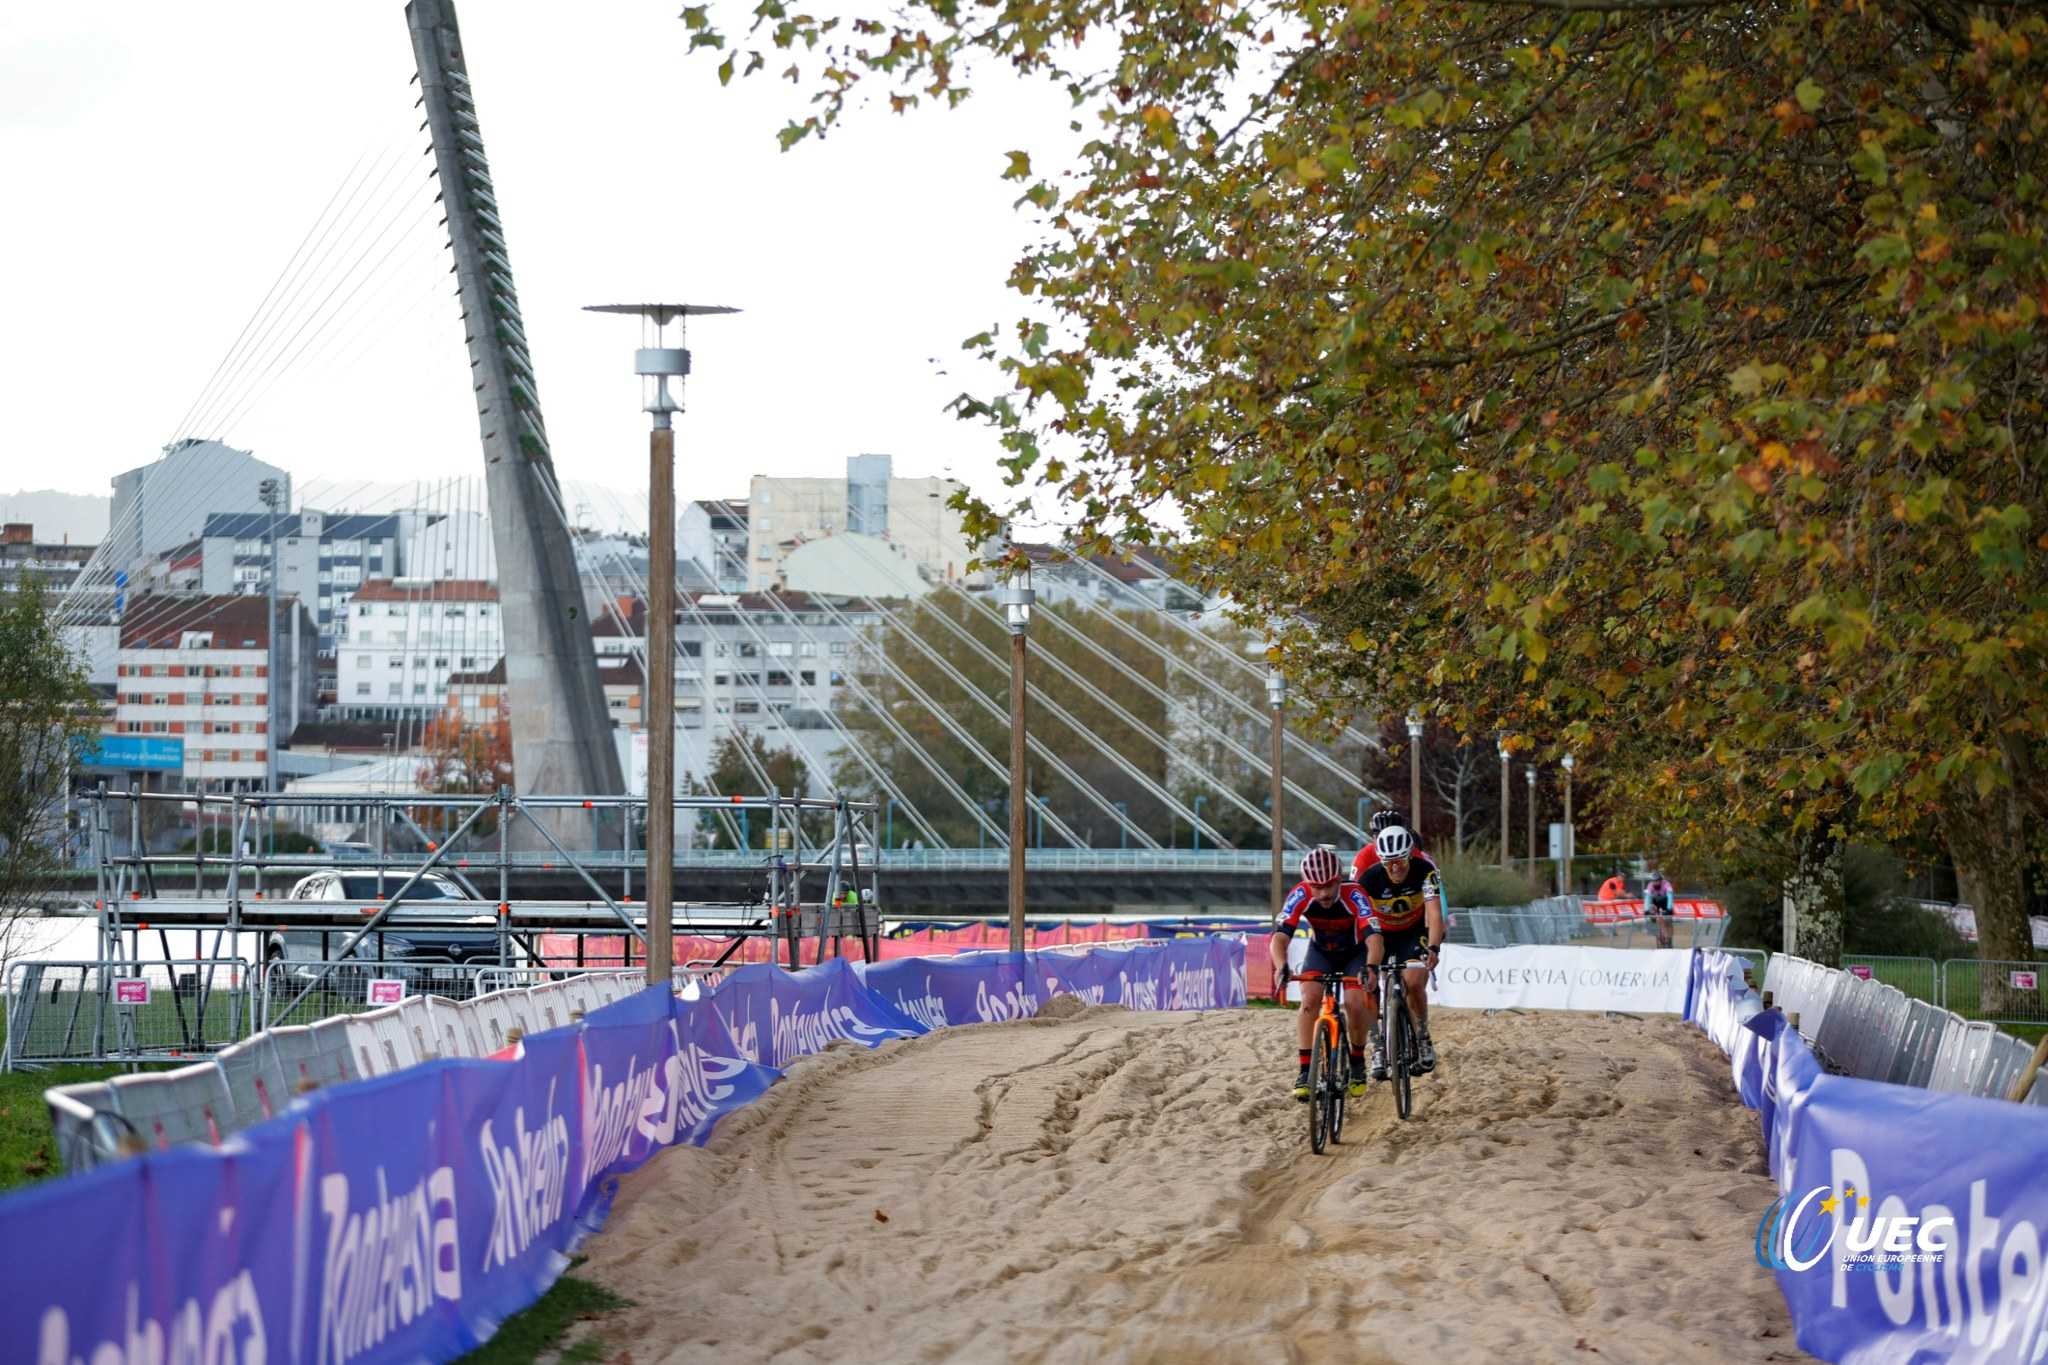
x=1138, y=1187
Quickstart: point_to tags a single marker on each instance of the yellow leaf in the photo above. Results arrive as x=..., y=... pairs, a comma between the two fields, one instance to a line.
x=1359, y=642
x=1775, y=453
x=1747, y=201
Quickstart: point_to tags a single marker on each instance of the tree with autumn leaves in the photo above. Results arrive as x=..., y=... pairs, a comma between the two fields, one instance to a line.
x=466, y=758
x=1658, y=380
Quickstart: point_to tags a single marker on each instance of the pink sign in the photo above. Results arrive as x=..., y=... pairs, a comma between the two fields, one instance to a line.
x=131, y=990
x=1860, y=969
x=386, y=990
x=2026, y=981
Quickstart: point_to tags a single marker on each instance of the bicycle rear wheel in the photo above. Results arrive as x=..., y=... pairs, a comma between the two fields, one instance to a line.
x=1400, y=1049
x=1319, y=1062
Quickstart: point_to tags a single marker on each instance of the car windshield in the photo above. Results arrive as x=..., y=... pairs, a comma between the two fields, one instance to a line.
x=427, y=888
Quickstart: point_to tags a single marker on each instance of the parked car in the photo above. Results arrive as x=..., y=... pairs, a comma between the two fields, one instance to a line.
x=428, y=956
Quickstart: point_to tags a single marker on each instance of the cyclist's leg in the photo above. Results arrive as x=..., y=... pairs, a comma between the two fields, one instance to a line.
x=1354, y=1017
x=1305, y=1017
x=1411, y=949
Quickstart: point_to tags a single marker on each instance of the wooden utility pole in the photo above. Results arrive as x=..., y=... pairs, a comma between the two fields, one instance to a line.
x=1276, y=693
x=1018, y=790
x=661, y=700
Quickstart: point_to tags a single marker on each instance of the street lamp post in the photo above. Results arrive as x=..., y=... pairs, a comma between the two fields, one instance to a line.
x=1505, y=861
x=1276, y=697
x=1123, y=827
x=272, y=493
x=1529, y=772
x=1017, y=600
x=661, y=357
x=1564, y=866
x=1415, y=775
x=1196, y=828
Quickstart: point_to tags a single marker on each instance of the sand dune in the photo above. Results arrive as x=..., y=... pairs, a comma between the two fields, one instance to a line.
x=1138, y=1187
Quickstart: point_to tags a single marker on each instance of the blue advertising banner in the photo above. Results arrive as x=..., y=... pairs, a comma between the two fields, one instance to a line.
x=405, y=1217
x=131, y=753
x=1910, y=1223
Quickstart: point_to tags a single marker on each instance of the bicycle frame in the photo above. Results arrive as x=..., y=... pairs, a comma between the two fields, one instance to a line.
x=1329, y=1065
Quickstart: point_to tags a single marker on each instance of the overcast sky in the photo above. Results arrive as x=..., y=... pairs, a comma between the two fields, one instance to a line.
x=165, y=160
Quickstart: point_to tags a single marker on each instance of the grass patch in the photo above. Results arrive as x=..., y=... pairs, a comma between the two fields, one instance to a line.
x=527, y=1336
x=27, y=1153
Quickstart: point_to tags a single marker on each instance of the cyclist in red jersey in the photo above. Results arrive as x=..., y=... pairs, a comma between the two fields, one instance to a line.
x=1369, y=855
x=1344, y=937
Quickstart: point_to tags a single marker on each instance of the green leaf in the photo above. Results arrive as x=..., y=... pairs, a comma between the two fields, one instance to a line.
x=1020, y=166
x=1808, y=94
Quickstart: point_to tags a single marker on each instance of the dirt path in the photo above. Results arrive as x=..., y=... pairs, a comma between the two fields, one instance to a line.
x=1138, y=1187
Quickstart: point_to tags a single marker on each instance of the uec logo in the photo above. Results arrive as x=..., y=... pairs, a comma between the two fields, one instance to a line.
x=1783, y=1242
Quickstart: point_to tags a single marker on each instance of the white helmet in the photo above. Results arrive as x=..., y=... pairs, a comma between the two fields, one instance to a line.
x=1393, y=842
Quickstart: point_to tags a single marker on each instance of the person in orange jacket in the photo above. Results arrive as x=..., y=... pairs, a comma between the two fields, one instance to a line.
x=1613, y=889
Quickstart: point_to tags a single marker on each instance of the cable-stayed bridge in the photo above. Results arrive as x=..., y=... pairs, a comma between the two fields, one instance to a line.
x=1147, y=725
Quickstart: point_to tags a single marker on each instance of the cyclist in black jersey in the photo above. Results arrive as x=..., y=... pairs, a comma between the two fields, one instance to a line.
x=1407, y=896
x=1343, y=937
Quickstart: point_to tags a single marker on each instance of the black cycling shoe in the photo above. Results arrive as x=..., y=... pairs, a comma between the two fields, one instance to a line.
x=1425, y=1058
x=1379, y=1062
x=1301, y=1085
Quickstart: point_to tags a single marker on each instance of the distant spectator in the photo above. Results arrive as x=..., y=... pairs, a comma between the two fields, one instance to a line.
x=1613, y=889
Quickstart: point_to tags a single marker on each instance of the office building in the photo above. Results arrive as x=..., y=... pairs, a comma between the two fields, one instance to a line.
x=164, y=505
x=199, y=668
x=322, y=558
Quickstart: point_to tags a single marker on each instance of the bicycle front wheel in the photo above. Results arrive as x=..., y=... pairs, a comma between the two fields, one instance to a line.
x=1319, y=1064
x=1400, y=1055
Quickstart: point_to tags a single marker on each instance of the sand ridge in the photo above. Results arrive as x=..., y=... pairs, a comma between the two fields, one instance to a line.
x=1117, y=1186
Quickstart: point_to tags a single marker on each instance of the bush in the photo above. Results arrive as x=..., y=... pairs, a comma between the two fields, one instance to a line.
x=1879, y=919
x=1470, y=882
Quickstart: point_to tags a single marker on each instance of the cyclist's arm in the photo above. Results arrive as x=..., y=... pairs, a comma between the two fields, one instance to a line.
x=1291, y=911
x=1367, y=925
x=1276, y=947
x=1433, y=915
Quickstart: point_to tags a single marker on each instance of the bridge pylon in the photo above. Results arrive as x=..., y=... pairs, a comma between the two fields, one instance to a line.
x=561, y=731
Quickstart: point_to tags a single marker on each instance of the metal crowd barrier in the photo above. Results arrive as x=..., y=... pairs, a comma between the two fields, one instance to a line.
x=2001, y=992
x=120, y=1010
x=258, y=1077
x=1506, y=927
x=1919, y=977
x=347, y=984
x=1870, y=1028
x=1755, y=960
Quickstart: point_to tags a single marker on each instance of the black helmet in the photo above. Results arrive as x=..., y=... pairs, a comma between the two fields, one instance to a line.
x=1381, y=819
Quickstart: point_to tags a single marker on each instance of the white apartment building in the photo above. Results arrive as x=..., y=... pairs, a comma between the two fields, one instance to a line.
x=198, y=668
x=402, y=638
x=711, y=538
x=911, y=514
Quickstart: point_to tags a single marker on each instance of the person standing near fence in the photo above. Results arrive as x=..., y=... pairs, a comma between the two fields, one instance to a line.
x=1613, y=889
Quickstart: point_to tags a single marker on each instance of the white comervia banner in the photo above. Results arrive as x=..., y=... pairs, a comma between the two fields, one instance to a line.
x=1639, y=981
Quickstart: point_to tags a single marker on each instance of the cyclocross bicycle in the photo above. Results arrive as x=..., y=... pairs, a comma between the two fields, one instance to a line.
x=1329, y=1064
x=1400, y=1037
